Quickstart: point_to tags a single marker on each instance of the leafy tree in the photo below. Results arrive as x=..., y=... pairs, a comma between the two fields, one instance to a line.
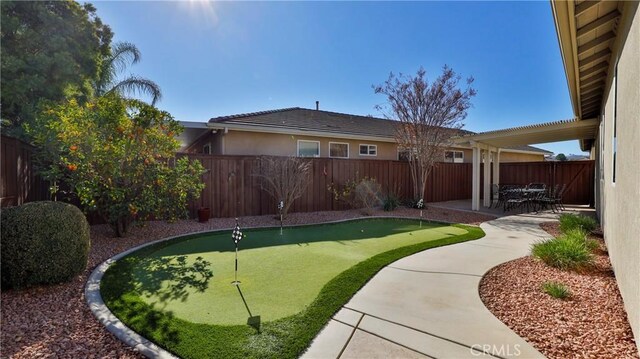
x=50, y=50
x=118, y=157
x=561, y=157
x=122, y=55
x=429, y=113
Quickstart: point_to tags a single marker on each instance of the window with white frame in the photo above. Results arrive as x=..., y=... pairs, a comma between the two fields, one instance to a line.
x=308, y=148
x=405, y=154
x=338, y=149
x=368, y=150
x=454, y=156
x=206, y=149
x=601, y=139
x=614, y=146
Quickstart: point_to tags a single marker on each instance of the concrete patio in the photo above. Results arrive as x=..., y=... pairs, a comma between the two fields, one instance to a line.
x=465, y=205
x=427, y=304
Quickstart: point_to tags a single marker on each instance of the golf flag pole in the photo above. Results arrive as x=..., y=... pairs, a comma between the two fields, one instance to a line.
x=236, y=236
x=420, y=205
x=280, y=208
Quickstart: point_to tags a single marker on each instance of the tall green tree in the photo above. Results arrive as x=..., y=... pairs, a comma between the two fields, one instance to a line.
x=124, y=54
x=118, y=156
x=51, y=50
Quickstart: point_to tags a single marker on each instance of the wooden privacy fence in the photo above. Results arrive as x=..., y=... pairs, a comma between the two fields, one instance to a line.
x=19, y=182
x=577, y=175
x=232, y=189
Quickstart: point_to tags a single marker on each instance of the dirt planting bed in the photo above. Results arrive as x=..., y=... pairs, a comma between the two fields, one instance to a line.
x=55, y=321
x=590, y=323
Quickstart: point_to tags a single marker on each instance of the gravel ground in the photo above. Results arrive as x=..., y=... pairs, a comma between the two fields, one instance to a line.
x=55, y=322
x=591, y=323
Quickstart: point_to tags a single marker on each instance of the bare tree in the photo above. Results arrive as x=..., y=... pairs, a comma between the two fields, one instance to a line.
x=284, y=178
x=428, y=114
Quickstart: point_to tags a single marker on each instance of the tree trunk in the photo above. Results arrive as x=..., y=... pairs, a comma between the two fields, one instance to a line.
x=121, y=226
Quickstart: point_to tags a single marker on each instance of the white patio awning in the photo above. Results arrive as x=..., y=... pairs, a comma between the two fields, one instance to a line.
x=564, y=130
x=491, y=143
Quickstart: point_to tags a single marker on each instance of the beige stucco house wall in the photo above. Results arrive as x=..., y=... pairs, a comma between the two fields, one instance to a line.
x=235, y=142
x=617, y=199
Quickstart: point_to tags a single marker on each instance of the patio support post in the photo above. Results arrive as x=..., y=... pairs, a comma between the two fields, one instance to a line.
x=496, y=167
x=475, y=183
x=486, y=199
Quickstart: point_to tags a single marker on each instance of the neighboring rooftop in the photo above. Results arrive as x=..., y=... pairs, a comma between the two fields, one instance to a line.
x=302, y=119
x=298, y=118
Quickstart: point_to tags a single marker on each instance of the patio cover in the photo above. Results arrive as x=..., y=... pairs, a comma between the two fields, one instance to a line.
x=491, y=142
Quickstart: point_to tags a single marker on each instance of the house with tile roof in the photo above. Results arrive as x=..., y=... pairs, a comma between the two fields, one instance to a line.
x=315, y=133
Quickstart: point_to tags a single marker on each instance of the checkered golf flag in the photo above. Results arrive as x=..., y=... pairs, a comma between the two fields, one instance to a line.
x=237, y=234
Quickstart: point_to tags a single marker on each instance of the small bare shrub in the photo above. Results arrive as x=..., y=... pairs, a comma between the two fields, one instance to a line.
x=368, y=195
x=284, y=178
x=363, y=193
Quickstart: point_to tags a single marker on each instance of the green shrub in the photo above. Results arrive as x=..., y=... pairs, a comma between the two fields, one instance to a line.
x=43, y=243
x=572, y=221
x=556, y=289
x=569, y=251
x=390, y=203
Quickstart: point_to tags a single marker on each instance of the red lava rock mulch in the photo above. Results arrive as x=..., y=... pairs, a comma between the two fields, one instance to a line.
x=591, y=323
x=55, y=321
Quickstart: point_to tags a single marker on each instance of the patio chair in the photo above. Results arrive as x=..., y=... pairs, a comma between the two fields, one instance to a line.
x=514, y=198
x=558, y=196
x=495, y=195
x=539, y=200
x=554, y=198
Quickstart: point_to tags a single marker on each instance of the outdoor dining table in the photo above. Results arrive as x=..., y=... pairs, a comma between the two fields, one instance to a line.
x=526, y=194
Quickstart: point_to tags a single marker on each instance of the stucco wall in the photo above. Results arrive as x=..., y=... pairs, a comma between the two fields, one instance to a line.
x=618, y=203
x=505, y=156
x=255, y=143
x=519, y=157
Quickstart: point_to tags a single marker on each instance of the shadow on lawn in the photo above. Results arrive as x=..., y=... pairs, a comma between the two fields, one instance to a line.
x=171, y=278
x=253, y=320
x=166, y=278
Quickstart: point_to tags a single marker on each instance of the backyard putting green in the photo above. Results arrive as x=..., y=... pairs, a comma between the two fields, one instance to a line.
x=179, y=292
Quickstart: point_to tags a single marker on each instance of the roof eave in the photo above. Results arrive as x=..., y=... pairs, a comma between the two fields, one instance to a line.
x=298, y=132
x=564, y=19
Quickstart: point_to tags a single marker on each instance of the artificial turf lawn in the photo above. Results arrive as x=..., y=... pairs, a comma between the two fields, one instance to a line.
x=179, y=294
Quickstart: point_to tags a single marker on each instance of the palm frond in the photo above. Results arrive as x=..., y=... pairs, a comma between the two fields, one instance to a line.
x=134, y=85
x=122, y=55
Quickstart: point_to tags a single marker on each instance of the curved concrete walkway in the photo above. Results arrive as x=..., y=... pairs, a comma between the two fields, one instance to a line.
x=427, y=304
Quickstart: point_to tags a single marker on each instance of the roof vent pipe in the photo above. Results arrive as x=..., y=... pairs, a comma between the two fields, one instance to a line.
x=317, y=105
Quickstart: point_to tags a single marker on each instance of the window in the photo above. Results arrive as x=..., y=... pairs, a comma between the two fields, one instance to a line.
x=206, y=149
x=614, y=148
x=308, y=148
x=454, y=156
x=601, y=139
x=368, y=150
x=404, y=155
x=338, y=150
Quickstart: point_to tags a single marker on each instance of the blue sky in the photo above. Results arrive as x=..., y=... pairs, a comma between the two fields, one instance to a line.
x=221, y=58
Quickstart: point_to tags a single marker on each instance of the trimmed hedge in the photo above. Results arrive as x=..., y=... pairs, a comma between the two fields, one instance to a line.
x=43, y=243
